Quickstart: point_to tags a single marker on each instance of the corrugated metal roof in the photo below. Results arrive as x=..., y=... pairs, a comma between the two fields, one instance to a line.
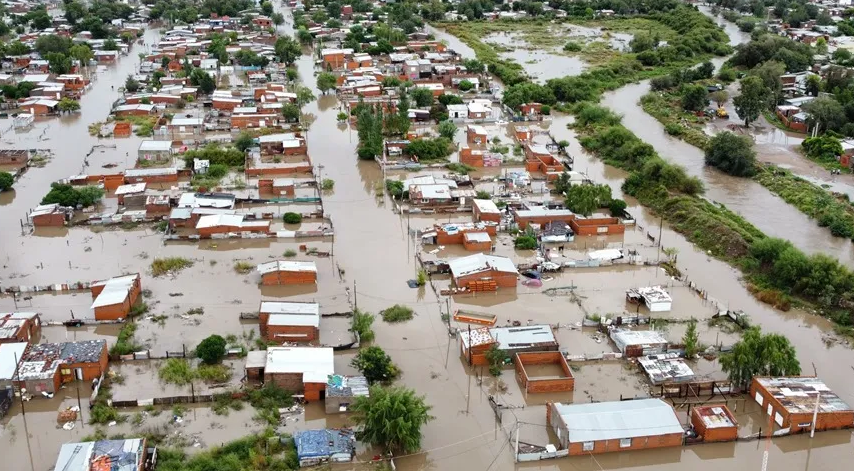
x=286, y=265
x=618, y=419
x=10, y=355
x=315, y=363
x=479, y=263
x=510, y=338
x=115, y=290
x=276, y=307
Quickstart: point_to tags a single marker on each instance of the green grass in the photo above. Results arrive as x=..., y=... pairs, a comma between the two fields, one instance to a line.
x=177, y=371
x=397, y=313
x=125, y=343
x=162, y=266
x=667, y=109
x=243, y=268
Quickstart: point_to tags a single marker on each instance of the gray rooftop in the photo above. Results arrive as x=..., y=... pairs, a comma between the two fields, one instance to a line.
x=797, y=394
x=618, y=419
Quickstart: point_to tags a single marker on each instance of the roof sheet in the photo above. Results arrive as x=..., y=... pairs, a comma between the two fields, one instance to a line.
x=315, y=363
x=115, y=291
x=276, y=307
x=286, y=265
x=510, y=338
x=486, y=206
x=324, y=443
x=346, y=386
x=478, y=263
x=797, y=394
x=10, y=355
x=618, y=419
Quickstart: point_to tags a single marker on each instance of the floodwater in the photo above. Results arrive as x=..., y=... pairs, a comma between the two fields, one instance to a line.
x=373, y=256
x=540, y=64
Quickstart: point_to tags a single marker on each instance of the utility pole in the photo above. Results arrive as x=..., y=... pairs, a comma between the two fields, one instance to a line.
x=815, y=413
x=355, y=296
x=516, y=452
x=660, y=228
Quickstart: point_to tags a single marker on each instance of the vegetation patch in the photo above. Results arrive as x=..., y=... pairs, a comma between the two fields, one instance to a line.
x=362, y=324
x=162, y=266
x=243, y=267
x=125, y=343
x=397, y=313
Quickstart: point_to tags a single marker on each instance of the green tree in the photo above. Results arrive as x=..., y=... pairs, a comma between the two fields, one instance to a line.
x=277, y=18
x=292, y=218
x=758, y=354
x=391, y=418
x=267, y=8
x=362, y=322
x=304, y=96
x=244, y=141
x=465, y=85
x=474, y=66
x=422, y=97
x=825, y=113
x=58, y=63
x=292, y=74
x=304, y=36
x=131, y=84
x=211, y=350
x=375, y=365
x=643, y=41
x=822, y=148
x=287, y=50
x=691, y=339
x=81, y=52
x=584, y=199
x=67, y=195
x=694, y=97
x=111, y=45
x=770, y=73
x=731, y=153
x=720, y=97
x=6, y=181
x=753, y=99
x=203, y=80
x=326, y=82
x=813, y=84
x=17, y=48
x=67, y=105
x=617, y=207
x=447, y=129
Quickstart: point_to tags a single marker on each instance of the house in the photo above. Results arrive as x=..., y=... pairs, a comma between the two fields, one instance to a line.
x=458, y=112
x=212, y=224
x=283, y=186
x=489, y=270
x=636, y=343
x=140, y=109
x=289, y=321
x=479, y=109
x=45, y=367
x=207, y=200
x=113, y=298
x=476, y=135
x=477, y=241
x=84, y=360
x=342, y=390
x=541, y=216
x=104, y=455
x=106, y=57
x=455, y=233
x=666, y=368
x=479, y=157
x=48, y=215
x=530, y=110
x=18, y=327
x=39, y=106
x=714, y=423
x=792, y=401
x=225, y=103
x=537, y=379
x=300, y=369
x=130, y=191
x=323, y=446
x=533, y=338
x=151, y=175
x=655, y=298
x=287, y=272
x=486, y=210
x=10, y=357
x=154, y=151
x=603, y=427
x=283, y=143
x=186, y=125
x=14, y=157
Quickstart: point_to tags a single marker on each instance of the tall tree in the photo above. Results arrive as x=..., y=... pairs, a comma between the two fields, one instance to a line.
x=732, y=154
x=325, y=82
x=375, y=364
x=584, y=199
x=391, y=418
x=758, y=354
x=753, y=99
x=287, y=50
x=825, y=113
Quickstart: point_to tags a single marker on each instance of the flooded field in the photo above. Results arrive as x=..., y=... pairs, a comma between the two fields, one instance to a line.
x=372, y=256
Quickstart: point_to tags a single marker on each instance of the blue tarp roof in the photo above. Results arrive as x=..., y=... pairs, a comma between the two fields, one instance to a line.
x=323, y=443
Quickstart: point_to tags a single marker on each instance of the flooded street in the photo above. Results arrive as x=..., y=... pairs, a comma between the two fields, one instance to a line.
x=373, y=255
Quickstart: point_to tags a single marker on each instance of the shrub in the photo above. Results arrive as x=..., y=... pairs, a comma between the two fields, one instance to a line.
x=292, y=218
x=375, y=365
x=525, y=242
x=674, y=129
x=290, y=253
x=6, y=181
x=177, y=371
x=572, y=46
x=125, y=343
x=327, y=184
x=213, y=373
x=362, y=322
x=217, y=171
x=617, y=207
x=162, y=266
x=67, y=195
x=397, y=313
x=212, y=349
x=243, y=267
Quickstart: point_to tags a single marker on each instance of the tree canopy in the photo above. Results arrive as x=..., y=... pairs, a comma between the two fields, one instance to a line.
x=67, y=195
x=212, y=349
x=391, y=418
x=731, y=153
x=375, y=364
x=758, y=354
x=325, y=82
x=753, y=99
x=585, y=199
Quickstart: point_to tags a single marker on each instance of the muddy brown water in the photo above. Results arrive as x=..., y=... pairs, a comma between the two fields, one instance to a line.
x=373, y=248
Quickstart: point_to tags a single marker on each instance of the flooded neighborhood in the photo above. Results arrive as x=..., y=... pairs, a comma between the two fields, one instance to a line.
x=426, y=235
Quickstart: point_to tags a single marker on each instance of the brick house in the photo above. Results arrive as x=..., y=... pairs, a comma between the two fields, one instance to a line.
x=532, y=338
x=486, y=210
x=151, y=175
x=342, y=391
x=20, y=327
x=541, y=215
x=714, y=423
x=45, y=367
x=289, y=321
x=287, y=272
x=47, y=215
x=603, y=427
x=113, y=298
x=85, y=360
x=303, y=370
x=104, y=455
x=211, y=224
x=476, y=135
x=467, y=272
x=791, y=401
x=560, y=381
x=477, y=241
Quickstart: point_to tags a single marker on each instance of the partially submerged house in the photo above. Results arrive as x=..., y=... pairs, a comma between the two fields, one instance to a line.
x=342, y=391
x=666, y=368
x=603, y=427
x=544, y=372
x=45, y=367
x=635, y=343
x=326, y=445
x=481, y=272
x=289, y=321
x=113, y=298
x=655, y=298
x=10, y=357
x=303, y=370
x=714, y=423
x=533, y=338
x=791, y=401
x=18, y=327
x=104, y=455
x=287, y=272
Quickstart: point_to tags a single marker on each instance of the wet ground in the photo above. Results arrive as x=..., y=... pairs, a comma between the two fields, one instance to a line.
x=373, y=248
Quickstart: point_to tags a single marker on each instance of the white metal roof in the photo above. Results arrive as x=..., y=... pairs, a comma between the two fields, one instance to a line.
x=477, y=237
x=130, y=189
x=115, y=290
x=10, y=354
x=315, y=363
x=152, y=145
x=618, y=419
x=150, y=172
x=294, y=320
x=479, y=263
x=486, y=206
x=276, y=307
x=534, y=211
x=605, y=254
x=215, y=220
x=509, y=338
x=286, y=265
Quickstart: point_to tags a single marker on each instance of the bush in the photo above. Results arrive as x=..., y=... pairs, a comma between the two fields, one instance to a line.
x=674, y=129
x=327, y=184
x=162, y=266
x=177, y=371
x=125, y=343
x=394, y=188
x=292, y=218
x=217, y=171
x=243, y=267
x=375, y=365
x=572, y=46
x=362, y=322
x=525, y=242
x=546, y=110
x=290, y=253
x=397, y=313
x=67, y=195
x=732, y=154
x=617, y=208
x=6, y=181
x=212, y=349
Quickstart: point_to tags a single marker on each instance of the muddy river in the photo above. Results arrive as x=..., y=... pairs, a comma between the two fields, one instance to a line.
x=374, y=255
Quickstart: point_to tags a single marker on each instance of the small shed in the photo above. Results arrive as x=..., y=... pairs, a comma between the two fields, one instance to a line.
x=326, y=445
x=635, y=343
x=289, y=321
x=287, y=272
x=477, y=241
x=655, y=298
x=342, y=390
x=154, y=151
x=714, y=423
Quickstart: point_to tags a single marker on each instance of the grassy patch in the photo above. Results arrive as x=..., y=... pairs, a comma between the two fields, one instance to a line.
x=125, y=343
x=214, y=373
x=397, y=313
x=362, y=322
x=243, y=267
x=267, y=401
x=177, y=371
x=667, y=109
x=162, y=266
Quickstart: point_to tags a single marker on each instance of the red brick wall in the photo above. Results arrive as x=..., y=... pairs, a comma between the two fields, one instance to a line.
x=597, y=226
x=541, y=220
x=288, y=381
x=51, y=220
x=288, y=278
x=504, y=280
x=715, y=434
x=638, y=443
x=544, y=385
x=477, y=246
x=291, y=333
